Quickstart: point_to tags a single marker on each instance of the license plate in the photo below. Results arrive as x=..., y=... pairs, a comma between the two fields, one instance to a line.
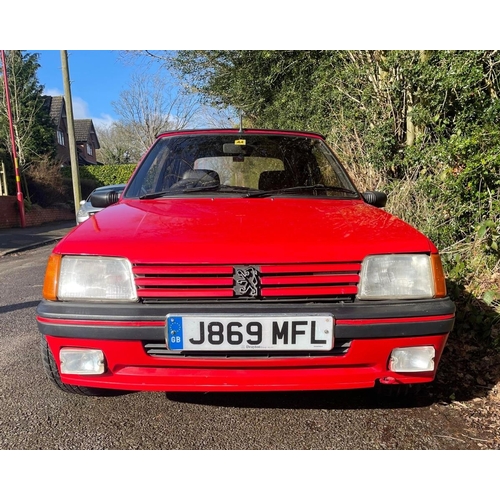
x=202, y=332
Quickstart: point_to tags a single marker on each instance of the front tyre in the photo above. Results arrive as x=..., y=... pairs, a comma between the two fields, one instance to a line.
x=50, y=368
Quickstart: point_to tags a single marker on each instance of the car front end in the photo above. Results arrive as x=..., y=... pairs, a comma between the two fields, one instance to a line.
x=243, y=285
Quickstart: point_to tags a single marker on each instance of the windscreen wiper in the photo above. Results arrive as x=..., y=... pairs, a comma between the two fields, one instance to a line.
x=196, y=189
x=299, y=189
x=221, y=189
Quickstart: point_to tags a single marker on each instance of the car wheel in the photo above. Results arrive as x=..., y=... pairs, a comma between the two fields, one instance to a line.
x=50, y=368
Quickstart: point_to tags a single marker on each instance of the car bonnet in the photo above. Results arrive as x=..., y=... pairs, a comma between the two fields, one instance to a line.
x=244, y=230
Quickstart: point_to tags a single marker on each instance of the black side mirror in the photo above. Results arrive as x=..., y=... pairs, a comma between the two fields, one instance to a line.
x=104, y=199
x=375, y=198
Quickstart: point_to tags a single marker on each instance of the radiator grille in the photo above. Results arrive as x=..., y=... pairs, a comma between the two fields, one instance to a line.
x=160, y=350
x=332, y=280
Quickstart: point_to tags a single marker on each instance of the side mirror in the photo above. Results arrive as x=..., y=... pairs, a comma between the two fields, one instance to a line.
x=82, y=202
x=375, y=198
x=104, y=199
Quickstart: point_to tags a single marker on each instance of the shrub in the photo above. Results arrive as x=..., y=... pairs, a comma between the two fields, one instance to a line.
x=46, y=185
x=103, y=175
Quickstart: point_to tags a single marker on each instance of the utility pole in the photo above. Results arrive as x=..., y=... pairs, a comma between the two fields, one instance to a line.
x=20, y=197
x=75, y=174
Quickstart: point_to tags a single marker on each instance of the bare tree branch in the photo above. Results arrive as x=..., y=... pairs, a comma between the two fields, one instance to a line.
x=151, y=105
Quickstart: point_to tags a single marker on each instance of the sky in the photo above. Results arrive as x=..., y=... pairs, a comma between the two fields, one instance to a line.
x=97, y=77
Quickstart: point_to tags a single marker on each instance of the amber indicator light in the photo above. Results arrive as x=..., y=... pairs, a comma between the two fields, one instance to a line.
x=52, y=277
x=439, y=279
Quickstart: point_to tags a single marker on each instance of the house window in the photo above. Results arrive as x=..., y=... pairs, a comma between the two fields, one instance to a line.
x=89, y=149
x=60, y=138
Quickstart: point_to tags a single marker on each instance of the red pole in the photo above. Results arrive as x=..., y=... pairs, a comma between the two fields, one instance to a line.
x=20, y=198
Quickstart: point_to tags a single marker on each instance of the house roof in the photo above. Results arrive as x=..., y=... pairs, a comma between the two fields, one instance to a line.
x=55, y=106
x=84, y=130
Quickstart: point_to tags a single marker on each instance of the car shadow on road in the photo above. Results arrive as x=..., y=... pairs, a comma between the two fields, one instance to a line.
x=311, y=400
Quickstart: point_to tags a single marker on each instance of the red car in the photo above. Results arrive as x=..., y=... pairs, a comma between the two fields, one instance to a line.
x=242, y=260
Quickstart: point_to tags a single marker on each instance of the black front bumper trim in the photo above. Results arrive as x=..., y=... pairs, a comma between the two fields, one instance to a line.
x=56, y=313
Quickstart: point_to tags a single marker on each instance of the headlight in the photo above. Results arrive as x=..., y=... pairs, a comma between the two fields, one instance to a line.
x=408, y=276
x=89, y=278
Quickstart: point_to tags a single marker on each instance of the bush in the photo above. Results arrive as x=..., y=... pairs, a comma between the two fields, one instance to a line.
x=103, y=175
x=46, y=185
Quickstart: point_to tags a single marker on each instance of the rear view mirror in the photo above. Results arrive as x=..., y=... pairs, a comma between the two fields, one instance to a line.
x=236, y=149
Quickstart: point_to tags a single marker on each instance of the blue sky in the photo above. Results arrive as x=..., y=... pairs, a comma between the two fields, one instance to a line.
x=97, y=77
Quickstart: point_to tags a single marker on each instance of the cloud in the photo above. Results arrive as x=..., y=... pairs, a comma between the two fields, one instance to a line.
x=81, y=111
x=80, y=108
x=53, y=92
x=105, y=121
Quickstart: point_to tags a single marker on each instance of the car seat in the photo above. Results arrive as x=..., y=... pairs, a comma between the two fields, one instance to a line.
x=198, y=178
x=271, y=180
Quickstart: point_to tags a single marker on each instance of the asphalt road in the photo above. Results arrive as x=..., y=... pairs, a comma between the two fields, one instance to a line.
x=34, y=415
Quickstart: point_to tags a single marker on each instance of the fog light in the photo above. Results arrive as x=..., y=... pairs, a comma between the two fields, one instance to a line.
x=412, y=359
x=81, y=361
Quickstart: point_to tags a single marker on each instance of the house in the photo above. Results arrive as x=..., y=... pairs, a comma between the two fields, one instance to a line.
x=86, y=142
x=86, y=138
x=56, y=108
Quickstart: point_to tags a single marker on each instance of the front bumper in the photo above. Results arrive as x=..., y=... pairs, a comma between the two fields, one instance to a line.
x=365, y=334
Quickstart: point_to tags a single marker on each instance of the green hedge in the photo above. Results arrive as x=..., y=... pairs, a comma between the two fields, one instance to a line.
x=103, y=175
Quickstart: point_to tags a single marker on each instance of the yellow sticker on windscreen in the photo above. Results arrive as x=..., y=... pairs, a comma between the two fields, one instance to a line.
x=240, y=142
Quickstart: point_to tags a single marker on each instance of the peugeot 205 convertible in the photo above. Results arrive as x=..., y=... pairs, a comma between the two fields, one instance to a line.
x=242, y=260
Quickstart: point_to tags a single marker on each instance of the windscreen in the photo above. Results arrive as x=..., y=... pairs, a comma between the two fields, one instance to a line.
x=234, y=164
